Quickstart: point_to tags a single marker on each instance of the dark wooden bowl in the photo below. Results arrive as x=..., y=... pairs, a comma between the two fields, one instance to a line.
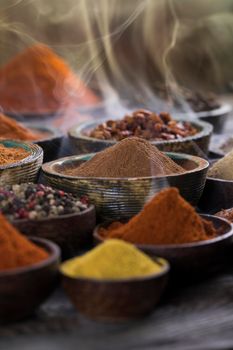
x=50, y=143
x=196, y=145
x=217, y=195
x=117, y=300
x=193, y=259
x=23, y=289
x=217, y=117
x=71, y=232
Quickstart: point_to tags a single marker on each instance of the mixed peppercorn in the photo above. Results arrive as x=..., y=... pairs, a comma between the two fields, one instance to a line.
x=144, y=124
x=36, y=201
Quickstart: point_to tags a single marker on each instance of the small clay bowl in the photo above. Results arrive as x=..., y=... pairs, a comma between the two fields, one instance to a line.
x=197, y=144
x=117, y=300
x=118, y=198
x=23, y=289
x=50, y=143
x=217, y=195
x=25, y=170
x=71, y=232
x=192, y=260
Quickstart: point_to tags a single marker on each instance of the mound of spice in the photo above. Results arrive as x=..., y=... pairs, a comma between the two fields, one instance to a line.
x=226, y=214
x=132, y=157
x=113, y=259
x=223, y=168
x=39, y=81
x=36, y=201
x=10, y=129
x=15, y=249
x=9, y=155
x=145, y=124
x=166, y=219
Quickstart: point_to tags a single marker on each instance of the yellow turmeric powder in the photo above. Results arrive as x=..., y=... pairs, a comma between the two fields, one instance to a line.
x=113, y=259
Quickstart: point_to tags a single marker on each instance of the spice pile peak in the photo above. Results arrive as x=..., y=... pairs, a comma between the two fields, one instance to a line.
x=132, y=157
x=113, y=259
x=166, y=219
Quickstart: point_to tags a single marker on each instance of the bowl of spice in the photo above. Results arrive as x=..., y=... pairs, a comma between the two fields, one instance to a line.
x=166, y=133
x=114, y=281
x=218, y=192
x=120, y=179
x=28, y=272
x=169, y=227
x=19, y=161
x=48, y=138
x=48, y=213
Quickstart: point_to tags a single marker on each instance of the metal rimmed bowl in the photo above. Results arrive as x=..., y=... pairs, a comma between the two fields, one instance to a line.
x=23, y=289
x=196, y=145
x=193, y=259
x=50, y=142
x=25, y=170
x=117, y=300
x=118, y=198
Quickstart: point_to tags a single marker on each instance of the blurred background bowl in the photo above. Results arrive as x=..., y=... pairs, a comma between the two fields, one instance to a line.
x=50, y=143
x=217, y=117
x=196, y=145
x=117, y=198
x=193, y=260
x=25, y=170
x=117, y=300
x=71, y=232
x=23, y=289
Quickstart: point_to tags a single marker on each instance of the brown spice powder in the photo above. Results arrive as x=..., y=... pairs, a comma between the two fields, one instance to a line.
x=132, y=157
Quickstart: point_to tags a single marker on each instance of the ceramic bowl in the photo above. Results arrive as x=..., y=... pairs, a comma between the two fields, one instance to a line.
x=23, y=289
x=193, y=259
x=196, y=145
x=71, y=232
x=118, y=198
x=117, y=300
x=50, y=143
x=25, y=170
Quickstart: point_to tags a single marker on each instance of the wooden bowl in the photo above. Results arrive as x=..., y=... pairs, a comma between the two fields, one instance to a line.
x=118, y=198
x=193, y=259
x=71, y=232
x=117, y=300
x=196, y=145
x=217, y=195
x=25, y=170
x=50, y=143
x=23, y=289
x=217, y=117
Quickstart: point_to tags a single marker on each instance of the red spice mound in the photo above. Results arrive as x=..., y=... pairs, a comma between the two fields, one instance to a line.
x=10, y=129
x=39, y=81
x=166, y=219
x=15, y=249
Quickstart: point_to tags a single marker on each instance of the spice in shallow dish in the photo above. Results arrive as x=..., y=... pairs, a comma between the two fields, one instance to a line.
x=132, y=157
x=145, y=124
x=10, y=155
x=36, y=201
x=15, y=249
x=12, y=130
x=223, y=168
x=111, y=260
x=166, y=219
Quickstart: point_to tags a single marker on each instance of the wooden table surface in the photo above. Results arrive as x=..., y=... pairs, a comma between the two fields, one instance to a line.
x=198, y=316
